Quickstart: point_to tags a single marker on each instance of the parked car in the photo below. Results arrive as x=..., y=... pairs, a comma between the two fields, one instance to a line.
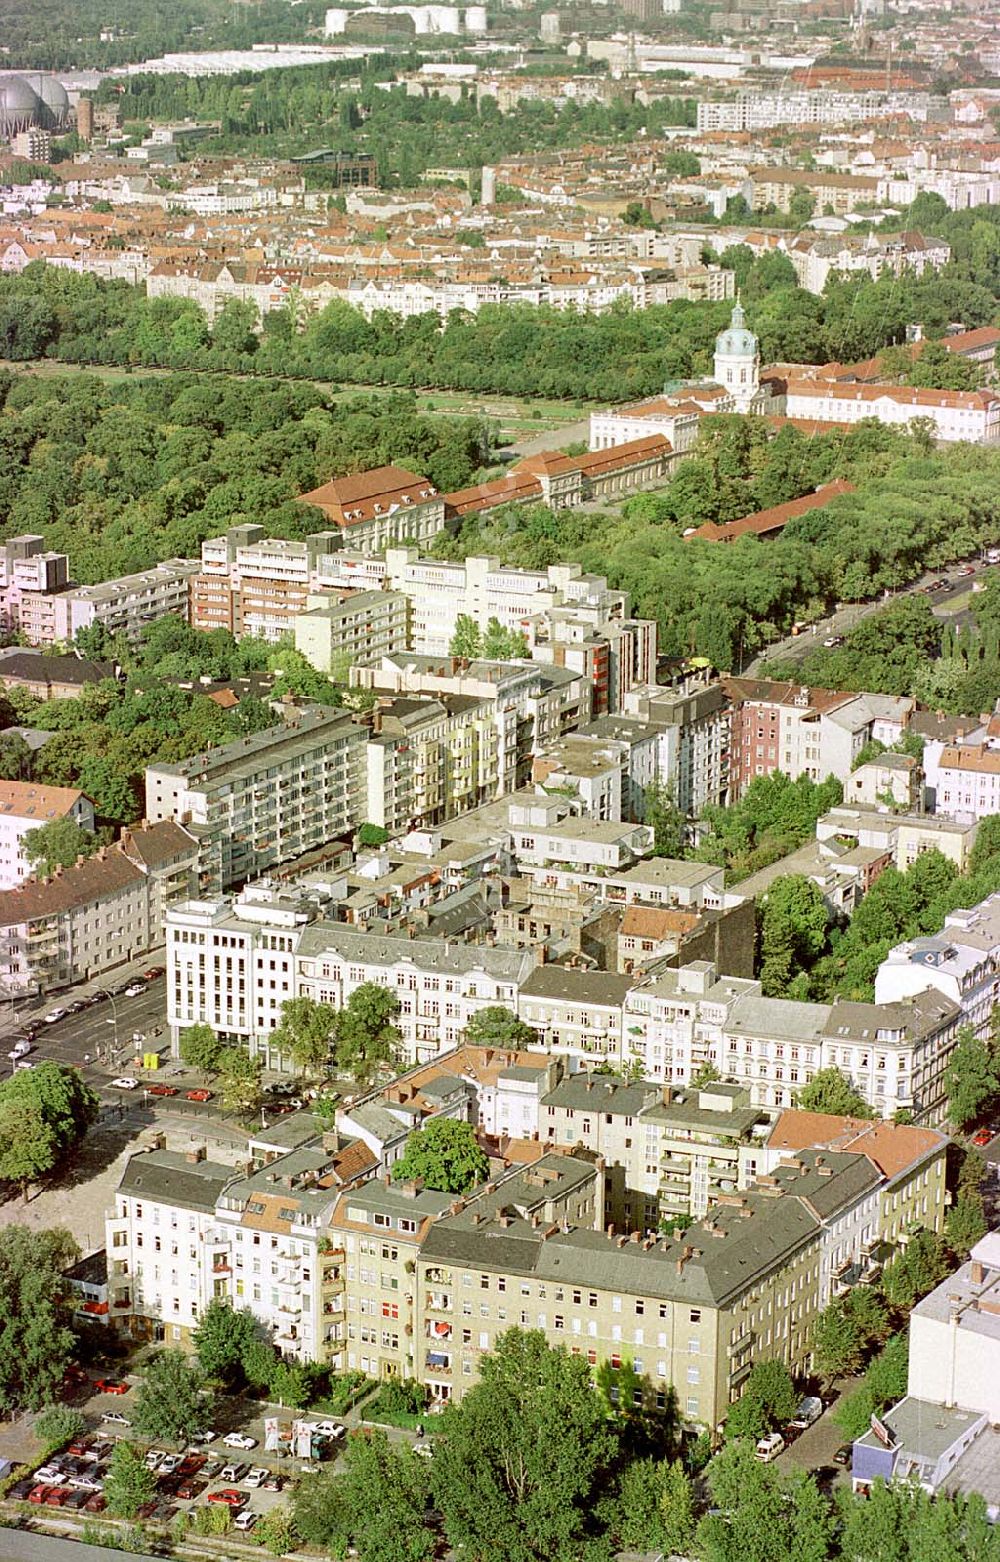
x=76, y=1501
x=199, y=1095
x=228, y=1495
x=95, y=1504
x=115, y=1418
x=53, y=1016
x=51, y=1475
x=170, y=1462
x=38, y=1494
x=982, y=1138
x=135, y=990
x=153, y=972
x=239, y=1440
x=273, y=1483
x=110, y=1386
x=232, y=1472
x=56, y=1496
x=21, y=1490
x=163, y=1090
x=255, y=1477
x=153, y=1457
x=769, y=1447
x=189, y=1489
x=205, y=1435
x=843, y=1454
x=123, y=1082
x=833, y=640
x=20, y=1049
x=245, y=1521
x=332, y=1429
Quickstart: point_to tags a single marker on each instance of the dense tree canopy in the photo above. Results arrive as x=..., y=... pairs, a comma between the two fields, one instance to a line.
x=445, y=1155
x=37, y=1341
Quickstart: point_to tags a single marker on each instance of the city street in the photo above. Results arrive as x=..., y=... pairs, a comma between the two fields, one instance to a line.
x=795, y=648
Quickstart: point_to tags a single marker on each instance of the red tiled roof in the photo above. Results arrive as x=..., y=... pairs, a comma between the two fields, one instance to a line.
x=764, y=521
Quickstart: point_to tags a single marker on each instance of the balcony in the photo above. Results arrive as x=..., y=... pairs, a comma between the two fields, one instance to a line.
x=438, y=1302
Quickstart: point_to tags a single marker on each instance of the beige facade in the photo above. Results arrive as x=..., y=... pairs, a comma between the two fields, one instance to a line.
x=352, y=629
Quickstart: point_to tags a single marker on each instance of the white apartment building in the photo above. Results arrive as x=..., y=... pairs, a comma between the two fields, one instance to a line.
x=232, y=964
x=162, y=1240
x=480, y=588
x=127, y=605
x=24, y=806
x=962, y=962
x=185, y=1231
x=336, y=632
x=954, y=1356
x=753, y=110
x=266, y=798
x=963, y=779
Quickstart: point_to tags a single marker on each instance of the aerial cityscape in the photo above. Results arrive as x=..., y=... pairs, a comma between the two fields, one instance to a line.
x=500, y=781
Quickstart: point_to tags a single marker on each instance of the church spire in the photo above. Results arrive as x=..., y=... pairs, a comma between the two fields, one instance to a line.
x=739, y=318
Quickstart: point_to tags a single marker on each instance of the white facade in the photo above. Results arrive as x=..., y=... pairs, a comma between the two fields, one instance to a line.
x=25, y=807
x=954, y=1356
x=232, y=965
x=956, y=415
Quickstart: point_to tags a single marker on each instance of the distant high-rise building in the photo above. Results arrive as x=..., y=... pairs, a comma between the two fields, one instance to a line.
x=489, y=186
x=548, y=26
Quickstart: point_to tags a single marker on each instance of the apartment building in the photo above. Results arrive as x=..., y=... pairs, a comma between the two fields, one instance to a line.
x=336, y=632
x=903, y=836
x=158, y=1235
x=97, y=914
x=251, y=584
x=544, y=832
x=380, y=1228
x=431, y=759
x=50, y=677
x=25, y=806
x=30, y=580
x=692, y=718
x=578, y=1014
x=912, y=1163
x=692, y=1315
x=265, y=799
x=801, y=731
x=232, y=964
x=960, y=962
x=534, y=702
x=963, y=779
x=127, y=605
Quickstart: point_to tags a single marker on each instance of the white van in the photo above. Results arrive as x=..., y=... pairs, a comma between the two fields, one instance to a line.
x=769, y=1447
x=810, y=1409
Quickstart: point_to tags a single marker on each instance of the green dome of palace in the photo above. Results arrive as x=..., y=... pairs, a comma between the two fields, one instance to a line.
x=736, y=341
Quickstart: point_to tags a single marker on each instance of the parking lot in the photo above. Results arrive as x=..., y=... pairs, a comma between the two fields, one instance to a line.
x=215, y=1469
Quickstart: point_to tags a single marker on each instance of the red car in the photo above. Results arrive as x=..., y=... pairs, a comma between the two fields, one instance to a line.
x=229, y=1495
x=56, y=1496
x=110, y=1386
x=95, y=1503
x=162, y=1090
x=983, y=1137
x=153, y=972
x=197, y=1095
x=39, y=1494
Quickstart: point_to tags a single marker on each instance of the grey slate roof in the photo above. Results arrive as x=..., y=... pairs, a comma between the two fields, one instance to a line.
x=168, y=1177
